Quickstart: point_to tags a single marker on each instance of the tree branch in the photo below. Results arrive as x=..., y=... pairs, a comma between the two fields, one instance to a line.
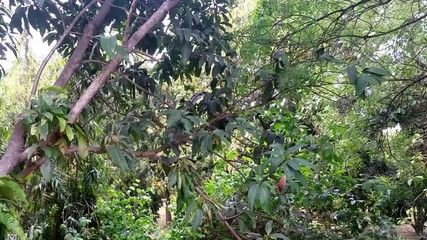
x=129, y=18
x=13, y=154
x=233, y=232
x=52, y=51
x=76, y=58
x=97, y=84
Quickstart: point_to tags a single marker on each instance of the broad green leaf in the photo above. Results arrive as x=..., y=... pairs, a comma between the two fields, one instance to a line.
x=117, y=157
x=51, y=152
x=300, y=178
x=187, y=125
x=69, y=132
x=275, y=163
x=304, y=163
x=10, y=222
x=295, y=148
x=293, y=164
x=62, y=123
x=123, y=53
x=48, y=115
x=187, y=34
x=268, y=92
x=197, y=219
x=268, y=227
x=82, y=144
x=108, y=44
x=264, y=198
x=47, y=169
x=43, y=129
x=329, y=57
x=377, y=71
x=361, y=83
x=185, y=53
x=253, y=195
x=352, y=74
x=173, y=176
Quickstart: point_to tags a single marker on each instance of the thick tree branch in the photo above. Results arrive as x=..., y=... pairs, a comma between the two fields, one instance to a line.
x=97, y=84
x=52, y=51
x=13, y=155
x=75, y=60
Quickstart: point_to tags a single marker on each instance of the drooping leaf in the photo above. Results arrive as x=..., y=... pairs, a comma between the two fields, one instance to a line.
x=123, y=53
x=362, y=83
x=117, y=157
x=108, y=44
x=69, y=132
x=377, y=71
x=253, y=195
x=352, y=74
x=43, y=129
x=268, y=92
x=62, y=123
x=264, y=198
x=268, y=227
x=82, y=143
x=197, y=219
x=47, y=169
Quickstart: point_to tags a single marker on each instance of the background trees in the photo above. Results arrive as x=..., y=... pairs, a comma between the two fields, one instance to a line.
x=170, y=100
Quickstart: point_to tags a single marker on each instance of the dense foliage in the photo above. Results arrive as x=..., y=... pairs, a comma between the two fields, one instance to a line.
x=248, y=120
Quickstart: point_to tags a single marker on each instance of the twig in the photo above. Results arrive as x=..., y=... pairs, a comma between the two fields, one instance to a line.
x=126, y=34
x=233, y=232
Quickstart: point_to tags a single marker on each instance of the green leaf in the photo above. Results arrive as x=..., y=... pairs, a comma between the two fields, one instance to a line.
x=197, y=219
x=362, y=83
x=62, y=123
x=123, y=53
x=377, y=71
x=253, y=195
x=264, y=198
x=69, y=132
x=187, y=34
x=268, y=92
x=82, y=143
x=117, y=157
x=185, y=53
x=48, y=115
x=47, y=169
x=293, y=164
x=295, y=148
x=43, y=129
x=108, y=44
x=173, y=177
x=329, y=58
x=268, y=227
x=57, y=89
x=352, y=74
x=187, y=125
x=304, y=162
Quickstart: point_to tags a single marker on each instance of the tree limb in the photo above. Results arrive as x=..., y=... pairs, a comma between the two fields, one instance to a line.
x=97, y=84
x=52, y=51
